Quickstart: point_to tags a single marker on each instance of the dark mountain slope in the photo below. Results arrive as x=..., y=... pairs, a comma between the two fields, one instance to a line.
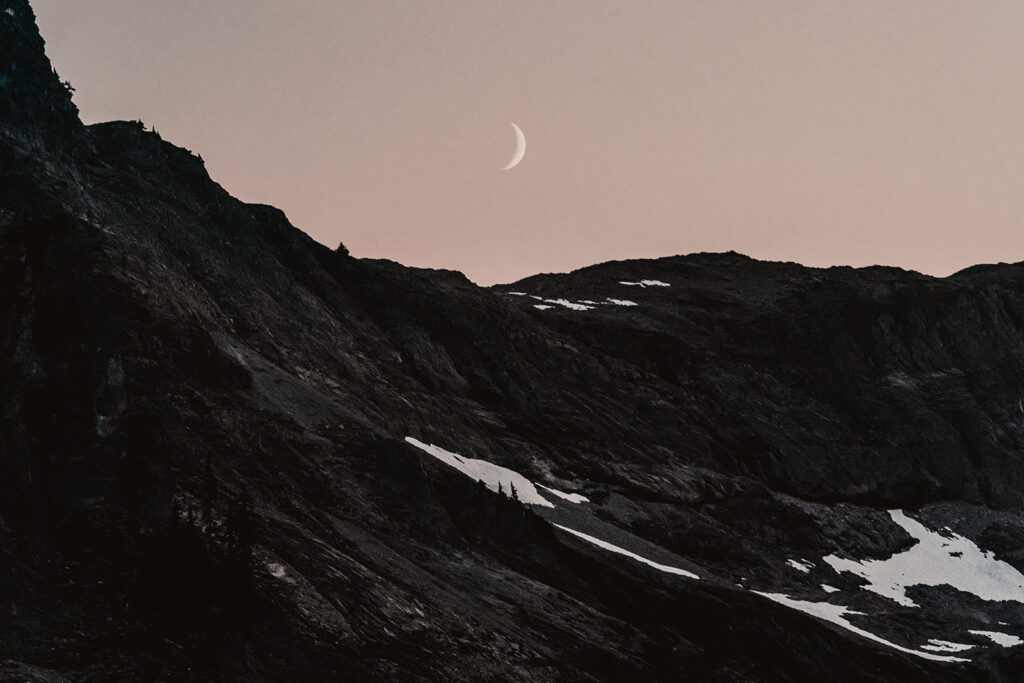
x=896, y=388
x=31, y=96
x=203, y=473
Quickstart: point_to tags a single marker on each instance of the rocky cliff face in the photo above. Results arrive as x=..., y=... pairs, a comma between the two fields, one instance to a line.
x=229, y=452
x=31, y=96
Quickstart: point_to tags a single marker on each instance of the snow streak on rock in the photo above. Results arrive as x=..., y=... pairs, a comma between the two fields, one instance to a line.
x=1004, y=639
x=578, y=305
x=622, y=551
x=646, y=283
x=571, y=497
x=801, y=565
x=569, y=304
x=565, y=303
x=837, y=613
x=936, y=645
x=493, y=476
x=936, y=559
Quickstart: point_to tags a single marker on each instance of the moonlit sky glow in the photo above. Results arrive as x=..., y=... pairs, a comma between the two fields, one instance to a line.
x=825, y=132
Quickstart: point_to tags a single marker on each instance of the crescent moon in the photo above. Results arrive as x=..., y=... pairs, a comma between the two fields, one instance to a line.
x=520, y=148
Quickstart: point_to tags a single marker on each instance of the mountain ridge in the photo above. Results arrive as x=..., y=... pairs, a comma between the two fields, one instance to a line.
x=204, y=471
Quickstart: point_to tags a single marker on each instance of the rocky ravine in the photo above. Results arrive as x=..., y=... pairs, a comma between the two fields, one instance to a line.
x=229, y=452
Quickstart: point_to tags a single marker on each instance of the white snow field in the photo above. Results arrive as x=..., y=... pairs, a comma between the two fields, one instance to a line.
x=622, y=551
x=493, y=476
x=836, y=614
x=1004, y=639
x=936, y=559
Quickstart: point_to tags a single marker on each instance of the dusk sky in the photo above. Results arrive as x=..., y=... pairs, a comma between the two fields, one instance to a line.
x=819, y=132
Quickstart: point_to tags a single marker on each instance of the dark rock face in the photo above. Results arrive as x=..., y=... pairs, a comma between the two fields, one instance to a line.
x=203, y=472
x=31, y=96
x=897, y=388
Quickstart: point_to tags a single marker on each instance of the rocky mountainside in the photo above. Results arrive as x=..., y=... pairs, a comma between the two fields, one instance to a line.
x=230, y=453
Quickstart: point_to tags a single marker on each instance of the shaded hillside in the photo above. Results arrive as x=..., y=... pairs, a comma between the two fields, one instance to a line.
x=895, y=388
x=204, y=471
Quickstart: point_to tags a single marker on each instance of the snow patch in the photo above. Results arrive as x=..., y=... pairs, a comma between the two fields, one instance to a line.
x=646, y=283
x=829, y=589
x=801, y=565
x=578, y=305
x=936, y=645
x=935, y=560
x=565, y=303
x=1004, y=639
x=837, y=613
x=493, y=476
x=569, y=304
x=622, y=551
x=276, y=570
x=571, y=497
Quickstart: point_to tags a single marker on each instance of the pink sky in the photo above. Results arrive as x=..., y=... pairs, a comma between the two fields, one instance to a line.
x=821, y=132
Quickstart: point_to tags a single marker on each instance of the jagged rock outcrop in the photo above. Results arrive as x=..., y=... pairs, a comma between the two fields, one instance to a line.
x=32, y=98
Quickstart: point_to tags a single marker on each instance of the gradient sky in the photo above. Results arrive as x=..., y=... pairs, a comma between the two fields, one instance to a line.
x=821, y=132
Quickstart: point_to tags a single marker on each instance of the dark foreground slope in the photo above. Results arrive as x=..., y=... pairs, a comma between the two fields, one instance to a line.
x=203, y=472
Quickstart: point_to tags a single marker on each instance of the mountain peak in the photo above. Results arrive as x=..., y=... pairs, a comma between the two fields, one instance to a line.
x=33, y=99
